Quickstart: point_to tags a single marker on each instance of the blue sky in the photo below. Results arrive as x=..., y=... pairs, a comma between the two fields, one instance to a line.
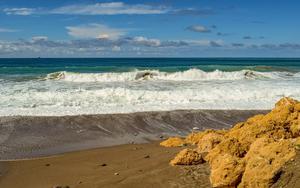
x=167, y=28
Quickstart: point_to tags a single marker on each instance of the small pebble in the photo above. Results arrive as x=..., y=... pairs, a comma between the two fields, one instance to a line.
x=147, y=157
x=116, y=174
x=60, y=186
x=103, y=164
x=196, y=128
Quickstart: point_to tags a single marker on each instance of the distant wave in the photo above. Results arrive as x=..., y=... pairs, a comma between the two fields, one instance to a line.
x=265, y=68
x=188, y=75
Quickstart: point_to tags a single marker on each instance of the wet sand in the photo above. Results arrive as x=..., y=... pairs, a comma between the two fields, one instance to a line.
x=28, y=137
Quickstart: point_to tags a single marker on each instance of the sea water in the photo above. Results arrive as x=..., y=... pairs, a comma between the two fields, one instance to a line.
x=72, y=86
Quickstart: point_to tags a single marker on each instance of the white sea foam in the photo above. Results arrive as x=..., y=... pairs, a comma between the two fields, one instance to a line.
x=188, y=75
x=102, y=93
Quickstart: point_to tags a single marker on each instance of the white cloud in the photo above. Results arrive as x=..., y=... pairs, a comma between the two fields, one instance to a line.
x=6, y=30
x=19, y=11
x=147, y=42
x=39, y=38
x=199, y=28
x=112, y=8
x=107, y=8
x=116, y=48
x=94, y=30
x=205, y=42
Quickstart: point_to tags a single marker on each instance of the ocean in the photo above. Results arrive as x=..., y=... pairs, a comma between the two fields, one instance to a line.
x=73, y=86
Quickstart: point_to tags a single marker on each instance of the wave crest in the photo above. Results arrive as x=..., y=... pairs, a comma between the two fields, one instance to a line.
x=188, y=75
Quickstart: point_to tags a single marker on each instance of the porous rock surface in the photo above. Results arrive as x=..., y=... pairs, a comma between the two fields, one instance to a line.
x=250, y=154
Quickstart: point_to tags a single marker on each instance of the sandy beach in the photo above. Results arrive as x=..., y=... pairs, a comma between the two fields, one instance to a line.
x=133, y=165
x=53, y=151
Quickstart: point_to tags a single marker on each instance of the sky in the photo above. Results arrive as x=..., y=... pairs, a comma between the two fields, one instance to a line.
x=165, y=28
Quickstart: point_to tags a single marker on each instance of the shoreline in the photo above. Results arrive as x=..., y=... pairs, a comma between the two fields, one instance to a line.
x=33, y=137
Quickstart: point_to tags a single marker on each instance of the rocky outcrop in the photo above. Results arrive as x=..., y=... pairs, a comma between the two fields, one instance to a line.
x=252, y=153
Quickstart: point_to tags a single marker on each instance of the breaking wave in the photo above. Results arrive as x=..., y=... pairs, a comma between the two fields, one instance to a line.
x=188, y=75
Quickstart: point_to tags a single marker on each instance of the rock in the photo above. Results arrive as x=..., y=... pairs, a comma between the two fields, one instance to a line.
x=103, y=164
x=116, y=174
x=60, y=186
x=209, y=141
x=188, y=157
x=226, y=163
x=195, y=138
x=251, y=153
x=147, y=157
x=173, y=142
x=264, y=161
x=226, y=170
x=196, y=129
x=297, y=143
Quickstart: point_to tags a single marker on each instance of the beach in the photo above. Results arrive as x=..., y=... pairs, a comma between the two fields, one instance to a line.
x=27, y=137
x=134, y=165
x=49, y=151
x=149, y=94
x=99, y=122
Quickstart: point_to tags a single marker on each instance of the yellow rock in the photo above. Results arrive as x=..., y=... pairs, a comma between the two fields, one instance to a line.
x=195, y=138
x=264, y=161
x=226, y=170
x=173, y=142
x=251, y=153
x=188, y=157
x=209, y=141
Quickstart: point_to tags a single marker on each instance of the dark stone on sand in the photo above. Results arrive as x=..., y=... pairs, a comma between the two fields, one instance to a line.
x=60, y=186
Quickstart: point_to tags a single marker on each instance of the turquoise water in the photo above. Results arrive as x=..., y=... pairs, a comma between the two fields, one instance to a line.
x=99, y=86
x=45, y=66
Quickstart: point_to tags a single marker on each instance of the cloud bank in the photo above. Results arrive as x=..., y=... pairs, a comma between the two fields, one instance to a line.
x=111, y=8
x=94, y=30
x=138, y=45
